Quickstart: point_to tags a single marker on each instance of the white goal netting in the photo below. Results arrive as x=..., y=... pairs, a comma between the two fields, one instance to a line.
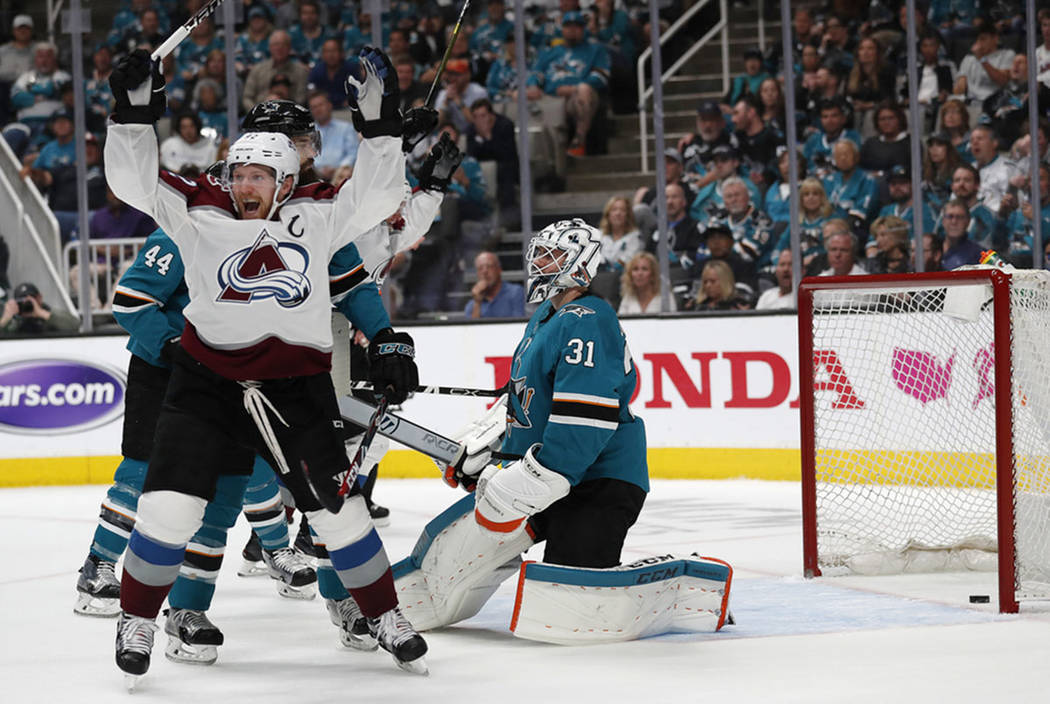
x=905, y=429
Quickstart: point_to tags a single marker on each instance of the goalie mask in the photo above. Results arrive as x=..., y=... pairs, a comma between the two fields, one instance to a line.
x=562, y=255
x=270, y=149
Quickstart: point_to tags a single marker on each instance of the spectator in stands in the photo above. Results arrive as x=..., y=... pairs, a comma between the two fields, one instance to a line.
x=454, y=101
x=828, y=85
x=1006, y=110
x=491, y=296
x=751, y=229
x=253, y=44
x=412, y=92
x=644, y=201
x=502, y=79
x=748, y=83
x=215, y=69
x=308, y=35
x=683, y=236
x=280, y=88
x=958, y=248
x=774, y=110
x=25, y=313
x=851, y=188
x=832, y=128
x=892, y=145
x=757, y=141
x=640, y=290
x=720, y=243
x=966, y=184
x=118, y=220
x=777, y=200
x=932, y=252
x=726, y=166
x=814, y=211
x=468, y=183
x=330, y=73
x=490, y=137
x=174, y=86
x=936, y=78
x=717, y=289
x=837, y=46
x=711, y=131
x=399, y=42
x=577, y=73
x=781, y=296
x=986, y=68
x=994, y=169
x=16, y=57
x=938, y=168
x=899, y=185
x=1015, y=238
x=1042, y=52
x=281, y=61
x=871, y=81
x=620, y=237
x=429, y=41
x=36, y=96
x=612, y=28
x=192, y=53
x=1020, y=153
x=487, y=38
x=97, y=92
x=955, y=122
x=842, y=256
x=186, y=152
x=802, y=27
x=130, y=17
x=208, y=98
x=146, y=30
x=894, y=260
x=284, y=13
x=339, y=140
x=886, y=231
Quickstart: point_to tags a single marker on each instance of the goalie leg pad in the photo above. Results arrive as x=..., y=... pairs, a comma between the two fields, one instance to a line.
x=455, y=567
x=578, y=606
x=508, y=496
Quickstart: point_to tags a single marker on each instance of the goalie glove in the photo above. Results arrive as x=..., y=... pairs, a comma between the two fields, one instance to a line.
x=506, y=497
x=392, y=364
x=373, y=95
x=436, y=172
x=138, y=90
x=479, y=440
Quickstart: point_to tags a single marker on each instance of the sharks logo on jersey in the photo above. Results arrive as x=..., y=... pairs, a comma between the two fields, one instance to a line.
x=267, y=269
x=576, y=309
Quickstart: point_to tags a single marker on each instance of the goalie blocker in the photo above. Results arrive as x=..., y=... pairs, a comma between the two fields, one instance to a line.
x=456, y=566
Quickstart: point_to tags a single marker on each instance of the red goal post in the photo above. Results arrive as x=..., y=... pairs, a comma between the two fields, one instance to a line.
x=925, y=419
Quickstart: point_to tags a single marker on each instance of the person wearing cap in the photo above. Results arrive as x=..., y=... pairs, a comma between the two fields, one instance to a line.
x=726, y=165
x=711, y=131
x=36, y=96
x=454, y=101
x=25, y=313
x=719, y=243
x=308, y=34
x=817, y=148
x=748, y=82
x=938, y=167
x=898, y=182
x=281, y=60
x=253, y=44
x=16, y=57
x=984, y=225
x=575, y=73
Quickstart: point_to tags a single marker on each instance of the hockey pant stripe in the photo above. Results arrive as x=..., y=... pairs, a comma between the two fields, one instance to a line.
x=117, y=514
x=264, y=508
x=364, y=570
x=150, y=568
x=327, y=580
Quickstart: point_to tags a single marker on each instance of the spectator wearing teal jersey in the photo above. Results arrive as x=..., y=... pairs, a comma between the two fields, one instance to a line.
x=487, y=38
x=253, y=44
x=308, y=35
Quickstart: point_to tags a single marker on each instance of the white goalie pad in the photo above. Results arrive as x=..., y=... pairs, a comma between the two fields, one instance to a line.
x=657, y=595
x=455, y=567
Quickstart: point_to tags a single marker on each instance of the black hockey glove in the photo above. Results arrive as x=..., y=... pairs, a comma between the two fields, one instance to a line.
x=393, y=369
x=418, y=123
x=138, y=90
x=436, y=172
x=374, y=96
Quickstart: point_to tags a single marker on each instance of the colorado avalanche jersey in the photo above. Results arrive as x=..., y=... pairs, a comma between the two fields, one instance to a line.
x=571, y=380
x=259, y=289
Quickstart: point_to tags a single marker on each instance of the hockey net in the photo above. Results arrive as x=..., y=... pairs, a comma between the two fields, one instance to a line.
x=926, y=425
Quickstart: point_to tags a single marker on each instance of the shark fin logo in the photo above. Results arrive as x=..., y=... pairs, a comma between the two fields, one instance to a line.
x=267, y=269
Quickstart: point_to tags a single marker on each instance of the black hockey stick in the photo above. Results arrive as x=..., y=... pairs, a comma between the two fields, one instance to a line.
x=362, y=450
x=442, y=390
x=182, y=32
x=448, y=52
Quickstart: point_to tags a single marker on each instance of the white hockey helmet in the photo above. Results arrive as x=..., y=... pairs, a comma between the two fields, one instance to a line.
x=571, y=253
x=270, y=149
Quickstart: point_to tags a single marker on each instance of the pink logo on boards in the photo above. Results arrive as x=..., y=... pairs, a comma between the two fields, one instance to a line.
x=984, y=364
x=921, y=375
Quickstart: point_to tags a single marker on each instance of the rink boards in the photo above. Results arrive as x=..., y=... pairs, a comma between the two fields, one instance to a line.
x=719, y=397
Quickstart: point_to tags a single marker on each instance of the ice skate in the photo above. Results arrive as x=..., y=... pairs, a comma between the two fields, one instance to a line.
x=380, y=514
x=192, y=638
x=396, y=636
x=297, y=579
x=133, y=647
x=252, y=566
x=352, y=624
x=304, y=542
x=98, y=589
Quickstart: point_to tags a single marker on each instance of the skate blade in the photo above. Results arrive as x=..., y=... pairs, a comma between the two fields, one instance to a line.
x=187, y=654
x=365, y=644
x=249, y=568
x=131, y=682
x=416, y=667
x=304, y=593
x=381, y=522
x=88, y=605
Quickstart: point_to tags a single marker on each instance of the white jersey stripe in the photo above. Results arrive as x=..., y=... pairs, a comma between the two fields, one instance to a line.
x=590, y=422
x=586, y=398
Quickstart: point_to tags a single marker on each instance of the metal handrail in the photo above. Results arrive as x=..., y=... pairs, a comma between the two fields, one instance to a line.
x=116, y=253
x=643, y=93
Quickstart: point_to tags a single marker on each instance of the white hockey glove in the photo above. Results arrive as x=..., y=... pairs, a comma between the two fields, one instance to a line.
x=506, y=497
x=479, y=439
x=373, y=94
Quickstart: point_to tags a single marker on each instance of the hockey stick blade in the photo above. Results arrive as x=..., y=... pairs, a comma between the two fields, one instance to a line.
x=404, y=431
x=448, y=52
x=182, y=32
x=441, y=390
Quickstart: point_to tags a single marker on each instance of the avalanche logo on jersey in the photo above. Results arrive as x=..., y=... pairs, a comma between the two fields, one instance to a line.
x=267, y=269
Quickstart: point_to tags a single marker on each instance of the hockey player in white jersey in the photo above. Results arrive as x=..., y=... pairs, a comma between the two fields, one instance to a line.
x=252, y=372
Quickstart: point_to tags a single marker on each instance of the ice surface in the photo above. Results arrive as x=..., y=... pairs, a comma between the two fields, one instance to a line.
x=909, y=638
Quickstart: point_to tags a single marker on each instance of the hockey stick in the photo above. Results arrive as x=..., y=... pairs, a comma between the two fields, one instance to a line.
x=448, y=52
x=362, y=449
x=442, y=390
x=182, y=32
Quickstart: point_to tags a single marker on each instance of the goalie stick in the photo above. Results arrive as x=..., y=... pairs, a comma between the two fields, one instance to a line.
x=448, y=52
x=443, y=390
x=182, y=32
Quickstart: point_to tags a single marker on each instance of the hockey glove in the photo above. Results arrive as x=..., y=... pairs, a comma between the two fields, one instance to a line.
x=138, y=90
x=373, y=95
x=436, y=172
x=393, y=369
x=418, y=123
x=479, y=440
